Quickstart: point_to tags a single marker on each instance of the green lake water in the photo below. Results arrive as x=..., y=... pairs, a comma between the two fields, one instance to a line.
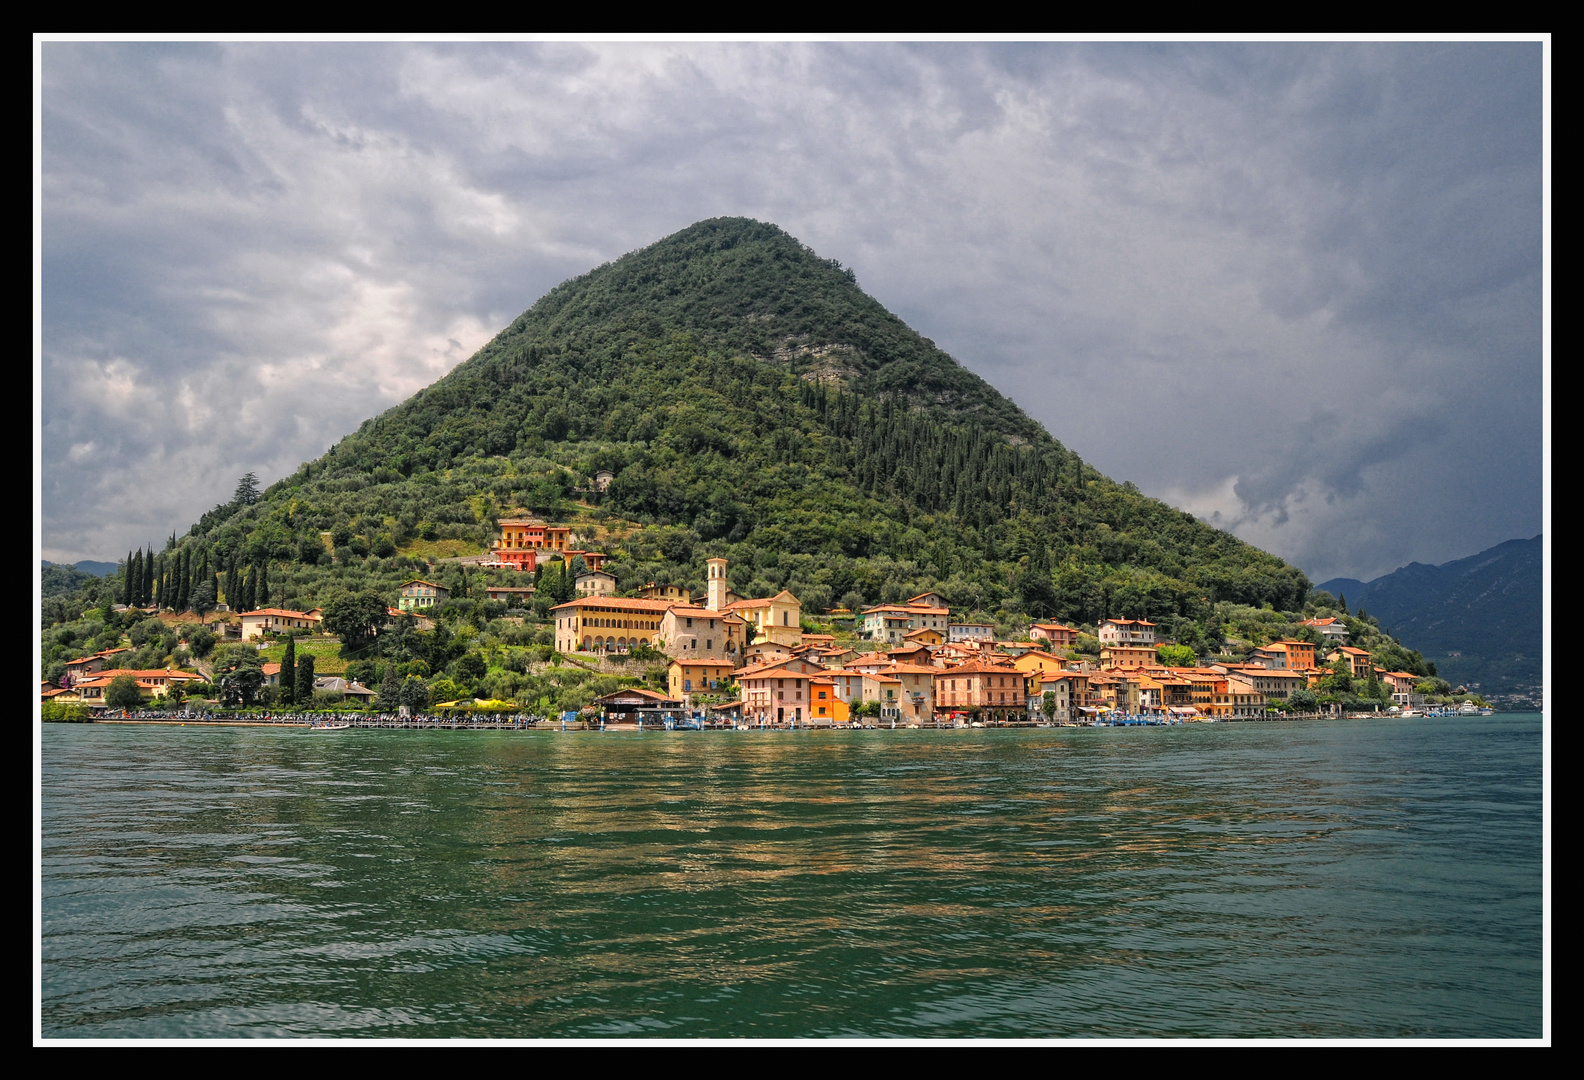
x=1340, y=879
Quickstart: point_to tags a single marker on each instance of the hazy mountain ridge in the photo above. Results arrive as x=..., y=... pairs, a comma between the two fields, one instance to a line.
x=1479, y=619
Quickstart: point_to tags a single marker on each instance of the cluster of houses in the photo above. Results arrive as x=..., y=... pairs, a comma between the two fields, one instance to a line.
x=87, y=679
x=928, y=669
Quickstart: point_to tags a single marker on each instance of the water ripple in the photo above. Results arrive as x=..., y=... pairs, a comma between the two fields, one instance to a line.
x=1339, y=879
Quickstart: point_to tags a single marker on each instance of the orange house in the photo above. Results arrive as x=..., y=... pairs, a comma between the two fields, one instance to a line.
x=519, y=543
x=824, y=704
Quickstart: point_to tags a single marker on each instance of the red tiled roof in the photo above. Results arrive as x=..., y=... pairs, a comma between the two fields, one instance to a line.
x=281, y=612
x=619, y=603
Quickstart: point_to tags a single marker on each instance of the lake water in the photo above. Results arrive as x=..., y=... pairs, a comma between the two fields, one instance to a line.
x=1337, y=878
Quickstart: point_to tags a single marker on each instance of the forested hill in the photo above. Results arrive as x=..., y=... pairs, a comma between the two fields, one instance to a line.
x=751, y=401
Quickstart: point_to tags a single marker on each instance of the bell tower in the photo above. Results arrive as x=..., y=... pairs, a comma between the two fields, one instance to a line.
x=716, y=574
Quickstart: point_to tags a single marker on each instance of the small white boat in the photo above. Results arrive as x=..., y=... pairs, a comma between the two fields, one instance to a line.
x=330, y=725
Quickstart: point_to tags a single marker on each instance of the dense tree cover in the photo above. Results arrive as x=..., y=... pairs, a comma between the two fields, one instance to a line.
x=56, y=579
x=751, y=401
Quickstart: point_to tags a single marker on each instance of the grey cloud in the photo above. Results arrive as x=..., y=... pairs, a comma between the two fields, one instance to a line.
x=1297, y=286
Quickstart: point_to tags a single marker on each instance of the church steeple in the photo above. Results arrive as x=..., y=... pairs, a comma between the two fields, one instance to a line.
x=715, y=571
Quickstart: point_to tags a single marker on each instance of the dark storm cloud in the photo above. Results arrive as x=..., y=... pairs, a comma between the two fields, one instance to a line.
x=1293, y=288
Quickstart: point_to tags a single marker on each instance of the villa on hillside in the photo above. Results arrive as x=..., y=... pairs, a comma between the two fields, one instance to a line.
x=595, y=583
x=1334, y=630
x=1127, y=632
x=892, y=622
x=1058, y=635
x=1286, y=655
x=255, y=624
x=519, y=543
x=418, y=594
x=1358, y=660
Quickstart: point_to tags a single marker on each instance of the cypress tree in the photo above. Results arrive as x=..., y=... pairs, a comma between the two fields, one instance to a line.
x=261, y=593
x=126, y=581
x=389, y=699
x=304, y=689
x=288, y=673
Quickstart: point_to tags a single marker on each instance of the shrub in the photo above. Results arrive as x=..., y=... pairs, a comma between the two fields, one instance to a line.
x=64, y=712
x=200, y=641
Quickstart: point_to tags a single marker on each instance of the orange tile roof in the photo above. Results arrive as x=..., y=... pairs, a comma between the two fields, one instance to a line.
x=282, y=612
x=703, y=661
x=619, y=603
x=761, y=672
x=688, y=611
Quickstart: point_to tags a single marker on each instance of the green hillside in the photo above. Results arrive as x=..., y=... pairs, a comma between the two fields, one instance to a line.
x=749, y=394
x=753, y=402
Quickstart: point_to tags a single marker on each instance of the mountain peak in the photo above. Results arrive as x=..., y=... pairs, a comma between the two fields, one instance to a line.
x=750, y=400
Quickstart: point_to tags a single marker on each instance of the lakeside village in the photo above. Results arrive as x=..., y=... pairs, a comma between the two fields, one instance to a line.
x=736, y=661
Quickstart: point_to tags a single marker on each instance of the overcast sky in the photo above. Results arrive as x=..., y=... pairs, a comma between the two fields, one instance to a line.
x=1293, y=288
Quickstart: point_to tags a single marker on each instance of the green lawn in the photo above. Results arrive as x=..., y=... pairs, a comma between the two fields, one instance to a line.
x=326, y=652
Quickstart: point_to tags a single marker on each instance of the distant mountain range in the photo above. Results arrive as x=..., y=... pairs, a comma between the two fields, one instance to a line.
x=1479, y=619
x=87, y=566
x=58, y=578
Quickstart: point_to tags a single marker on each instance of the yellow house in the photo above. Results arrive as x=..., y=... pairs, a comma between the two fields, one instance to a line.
x=701, y=675
x=1126, y=656
x=607, y=623
x=778, y=619
x=255, y=624
x=1036, y=660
